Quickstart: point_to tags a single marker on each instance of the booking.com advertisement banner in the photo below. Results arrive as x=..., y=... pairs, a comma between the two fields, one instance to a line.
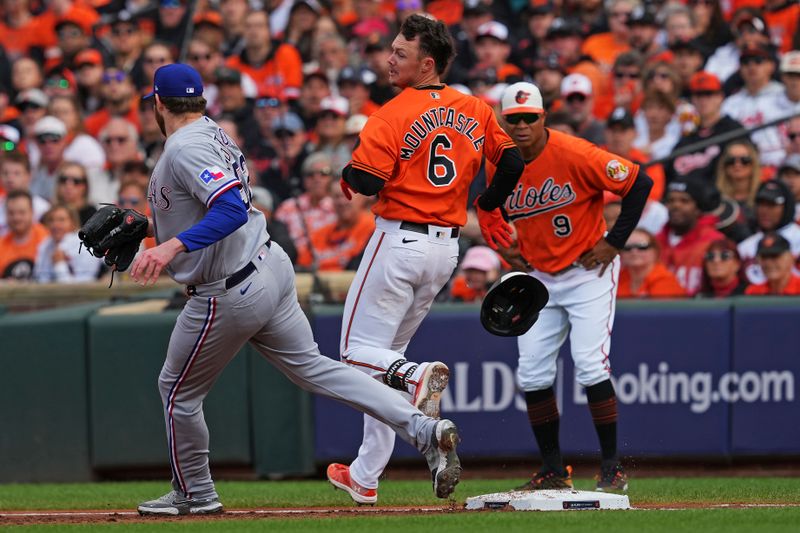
x=705, y=380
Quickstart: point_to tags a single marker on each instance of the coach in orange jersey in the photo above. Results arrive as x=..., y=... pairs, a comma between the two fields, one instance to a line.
x=418, y=153
x=557, y=209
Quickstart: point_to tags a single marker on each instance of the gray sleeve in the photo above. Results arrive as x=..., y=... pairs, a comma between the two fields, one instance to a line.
x=205, y=171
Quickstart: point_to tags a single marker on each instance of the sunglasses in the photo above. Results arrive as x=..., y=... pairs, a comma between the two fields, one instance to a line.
x=71, y=179
x=268, y=102
x=620, y=14
x=200, y=57
x=621, y=75
x=744, y=160
x=528, y=118
x=318, y=172
x=723, y=255
x=793, y=135
x=61, y=83
x=118, y=140
x=758, y=60
x=117, y=76
x=48, y=138
x=571, y=99
x=703, y=2
x=25, y=106
x=642, y=246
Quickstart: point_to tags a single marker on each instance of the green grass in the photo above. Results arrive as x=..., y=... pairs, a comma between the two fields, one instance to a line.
x=248, y=494
x=236, y=494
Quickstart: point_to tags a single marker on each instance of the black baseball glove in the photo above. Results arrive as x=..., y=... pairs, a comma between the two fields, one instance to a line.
x=114, y=234
x=512, y=305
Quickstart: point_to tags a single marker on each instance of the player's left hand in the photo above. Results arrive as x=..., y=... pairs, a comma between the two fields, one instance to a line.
x=149, y=264
x=601, y=254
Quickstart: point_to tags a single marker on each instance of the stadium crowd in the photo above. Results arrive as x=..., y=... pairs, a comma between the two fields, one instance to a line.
x=673, y=85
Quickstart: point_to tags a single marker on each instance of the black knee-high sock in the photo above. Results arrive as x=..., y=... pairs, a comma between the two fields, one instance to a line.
x=544, y=418
x=603, y=405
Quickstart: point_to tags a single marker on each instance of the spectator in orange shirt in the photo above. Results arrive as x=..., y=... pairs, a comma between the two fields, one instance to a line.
x=340, y=245
x=479, y=269
x=19, y=246
x=354, y=85
x=492, y=50
x=605, y=47
x=19, y=29
x=642, y=274
x=269, y=63
x=776, y=260
x=782, y=18
x=119, y=100
x=687, y=235
x=722, y=271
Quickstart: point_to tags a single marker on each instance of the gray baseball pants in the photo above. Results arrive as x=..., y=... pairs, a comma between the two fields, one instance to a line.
x=263, y=309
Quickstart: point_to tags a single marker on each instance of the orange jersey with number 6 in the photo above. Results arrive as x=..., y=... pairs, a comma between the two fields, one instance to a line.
x=428, y=143
x=557, y=206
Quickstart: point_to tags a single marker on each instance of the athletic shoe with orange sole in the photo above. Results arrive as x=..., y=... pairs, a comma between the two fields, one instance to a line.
x=428, y=395
x=547, y=479
x=339, y=476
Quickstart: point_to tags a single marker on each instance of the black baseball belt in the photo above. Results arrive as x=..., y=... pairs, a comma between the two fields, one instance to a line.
x=424, y=228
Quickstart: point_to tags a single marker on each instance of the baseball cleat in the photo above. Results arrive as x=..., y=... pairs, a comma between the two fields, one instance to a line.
x=612, y=480
x=442, y=459
x=547, y=479
x=172, y=504
x=339, y=476
x=428, y=395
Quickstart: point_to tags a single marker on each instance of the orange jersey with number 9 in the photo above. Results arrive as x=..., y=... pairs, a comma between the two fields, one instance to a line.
x=428, y=143
x=557, y=206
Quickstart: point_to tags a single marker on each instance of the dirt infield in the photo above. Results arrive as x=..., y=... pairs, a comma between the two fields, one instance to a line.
x=127, y=516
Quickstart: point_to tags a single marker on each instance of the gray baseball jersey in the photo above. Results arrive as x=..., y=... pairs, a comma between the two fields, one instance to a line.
x=199, y=163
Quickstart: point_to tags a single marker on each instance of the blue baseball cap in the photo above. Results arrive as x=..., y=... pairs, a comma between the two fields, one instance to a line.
x=176, y=79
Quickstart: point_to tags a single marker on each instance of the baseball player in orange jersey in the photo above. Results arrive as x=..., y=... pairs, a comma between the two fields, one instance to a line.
x=557, y=209
x=418, y=153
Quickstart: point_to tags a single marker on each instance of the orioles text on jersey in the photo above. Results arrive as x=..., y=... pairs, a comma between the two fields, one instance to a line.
x=527, y=201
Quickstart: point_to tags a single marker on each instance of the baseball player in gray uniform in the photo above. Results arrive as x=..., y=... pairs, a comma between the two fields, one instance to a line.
x=241, y=288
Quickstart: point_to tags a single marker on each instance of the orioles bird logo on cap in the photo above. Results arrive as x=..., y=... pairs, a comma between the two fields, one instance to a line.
x=522, y=97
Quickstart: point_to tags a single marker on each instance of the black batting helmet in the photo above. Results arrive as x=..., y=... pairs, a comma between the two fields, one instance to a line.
x=512, y=305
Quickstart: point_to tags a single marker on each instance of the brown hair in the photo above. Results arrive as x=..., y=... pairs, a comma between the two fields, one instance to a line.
x=660, y=99
x=18, y=158
x=73, y=215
